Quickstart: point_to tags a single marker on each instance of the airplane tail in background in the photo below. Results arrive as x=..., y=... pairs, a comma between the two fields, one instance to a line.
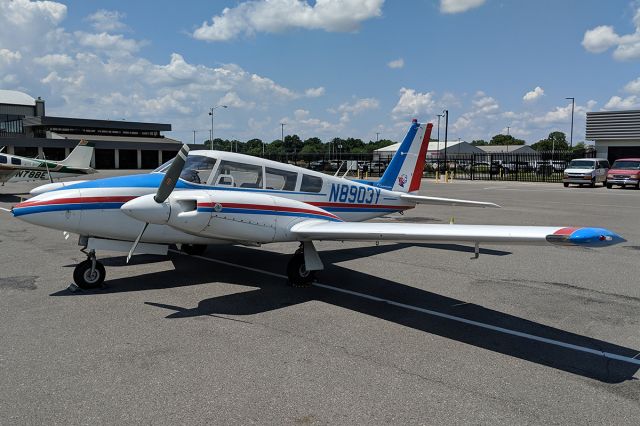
x=405, y=170
x=80, y=157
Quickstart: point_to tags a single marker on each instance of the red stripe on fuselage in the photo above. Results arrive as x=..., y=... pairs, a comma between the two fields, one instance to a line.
x=417, y=173
x=268, y=207
x=76, y=200
x=368, y=206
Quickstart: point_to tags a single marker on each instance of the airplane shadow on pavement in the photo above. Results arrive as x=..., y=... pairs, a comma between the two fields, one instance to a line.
x=272, y=293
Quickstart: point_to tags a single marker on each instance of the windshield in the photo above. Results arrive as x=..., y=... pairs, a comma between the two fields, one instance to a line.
x=626, y=165
x=582, y=164
x=196, y=169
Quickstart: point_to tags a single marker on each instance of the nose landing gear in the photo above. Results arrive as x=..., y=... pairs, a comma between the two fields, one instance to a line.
x=89, y=273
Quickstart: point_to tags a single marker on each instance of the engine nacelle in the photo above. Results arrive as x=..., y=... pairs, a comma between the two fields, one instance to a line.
x=239, y=216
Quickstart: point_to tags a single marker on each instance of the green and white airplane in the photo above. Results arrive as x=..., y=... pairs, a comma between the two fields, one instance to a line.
x=14, y=168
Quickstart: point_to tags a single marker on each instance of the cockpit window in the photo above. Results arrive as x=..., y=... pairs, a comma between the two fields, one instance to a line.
x=197, y=168
x=239, y=175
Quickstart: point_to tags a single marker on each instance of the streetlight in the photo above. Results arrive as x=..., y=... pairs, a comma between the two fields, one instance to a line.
x=446, y=129
x=211, y=114
x=573, y=104
x=508, y=127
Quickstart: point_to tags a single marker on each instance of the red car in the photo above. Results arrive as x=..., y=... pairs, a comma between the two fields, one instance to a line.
x=624, y=171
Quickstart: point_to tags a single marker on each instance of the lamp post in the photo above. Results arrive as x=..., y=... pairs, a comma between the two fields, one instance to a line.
x=211, y=114
x=508, y=128
x=446, y=129
x=439, y=116
x=573, y=105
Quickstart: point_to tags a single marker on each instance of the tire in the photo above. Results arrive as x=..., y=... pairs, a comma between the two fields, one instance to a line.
x=593, y=183
x=296, y=272
x=84, y=279
x=609, y=186
x=566, y=185
x=194, y=249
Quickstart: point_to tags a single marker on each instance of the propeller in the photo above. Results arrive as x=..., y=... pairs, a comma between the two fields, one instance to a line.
x=167, y=185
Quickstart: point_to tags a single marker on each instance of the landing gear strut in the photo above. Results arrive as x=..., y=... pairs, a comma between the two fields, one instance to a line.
x=90, y=273
x=302, y=267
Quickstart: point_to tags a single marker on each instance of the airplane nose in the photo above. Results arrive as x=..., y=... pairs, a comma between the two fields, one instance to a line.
x=57, y=209
x=146, y=209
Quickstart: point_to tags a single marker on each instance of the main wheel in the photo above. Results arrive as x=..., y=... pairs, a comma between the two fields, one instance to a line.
x=297, y=273
x=194, y=249
x=85, y=278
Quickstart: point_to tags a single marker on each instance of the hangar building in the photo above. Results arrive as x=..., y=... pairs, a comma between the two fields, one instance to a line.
x=616, y=133
x=26, y=130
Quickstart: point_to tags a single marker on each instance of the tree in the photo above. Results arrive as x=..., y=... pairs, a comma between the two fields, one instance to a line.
x=292, y=144
x=555, y=141
x=479, y=142
x=253, y=147
x=312, y=146
x=505, y=140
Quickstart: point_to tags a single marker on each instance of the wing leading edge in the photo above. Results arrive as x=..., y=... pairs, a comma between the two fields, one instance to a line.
x=492, y=234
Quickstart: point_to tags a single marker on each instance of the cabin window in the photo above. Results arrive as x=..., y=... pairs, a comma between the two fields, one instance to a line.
x=239, y=175
x=15, y=161
x=280, y=179
x=311, y=183
x=3, y=159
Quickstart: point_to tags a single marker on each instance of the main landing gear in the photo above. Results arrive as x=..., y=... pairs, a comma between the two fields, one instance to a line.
x=302, y=267
x=90, y=273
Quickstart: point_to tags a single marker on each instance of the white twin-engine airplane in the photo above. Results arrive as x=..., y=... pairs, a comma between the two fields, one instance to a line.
x=14, y=168
x=214, y=197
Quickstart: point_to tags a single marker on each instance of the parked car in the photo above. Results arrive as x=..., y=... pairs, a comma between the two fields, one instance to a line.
x=513, y=166
x=624, y=171
x=586, y=171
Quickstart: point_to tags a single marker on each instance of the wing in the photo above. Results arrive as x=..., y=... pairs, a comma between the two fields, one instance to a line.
x=413, y=232
x=419, y=199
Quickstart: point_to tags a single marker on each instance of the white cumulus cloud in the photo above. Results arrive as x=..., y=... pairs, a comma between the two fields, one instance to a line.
x=9, y=56
x=107, y=20
x=633, y=86
x=413, y=104
x=314, y=92
x=604, y=37
x=398, y=63
x=617, y=102
x=459, y=6
x=274, y=16
x=533, y=95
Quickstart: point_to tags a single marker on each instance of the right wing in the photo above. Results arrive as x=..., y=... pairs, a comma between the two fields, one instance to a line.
x=420, y=199
x=413, y=232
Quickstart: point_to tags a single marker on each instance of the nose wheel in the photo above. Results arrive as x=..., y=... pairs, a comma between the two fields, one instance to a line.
x=90, y=273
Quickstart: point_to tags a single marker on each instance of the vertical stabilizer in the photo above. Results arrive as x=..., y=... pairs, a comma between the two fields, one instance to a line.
x=405, y=170
x=80, y=157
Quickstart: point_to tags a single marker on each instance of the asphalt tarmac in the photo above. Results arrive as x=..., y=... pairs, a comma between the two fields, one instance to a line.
x=395, y=333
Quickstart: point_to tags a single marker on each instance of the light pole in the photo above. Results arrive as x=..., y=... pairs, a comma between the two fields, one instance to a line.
x=446, y=129
x=573, y=105
x=508, y=128
x=439, y=115
x=211, y=114
x=377, y=135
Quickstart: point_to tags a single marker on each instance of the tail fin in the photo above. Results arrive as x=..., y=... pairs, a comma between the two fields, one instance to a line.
x=405, y=170
x=80, y=157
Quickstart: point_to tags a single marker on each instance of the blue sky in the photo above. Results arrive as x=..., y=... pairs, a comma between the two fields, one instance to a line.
x=327, y=68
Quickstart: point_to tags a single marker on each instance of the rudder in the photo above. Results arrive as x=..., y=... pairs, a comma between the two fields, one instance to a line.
x=80, y=157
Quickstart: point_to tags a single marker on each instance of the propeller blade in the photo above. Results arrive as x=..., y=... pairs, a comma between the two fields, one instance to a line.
x=135, y=243
x=171, y=177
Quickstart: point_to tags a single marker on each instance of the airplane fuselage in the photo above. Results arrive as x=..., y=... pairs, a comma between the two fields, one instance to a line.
x=241, y=199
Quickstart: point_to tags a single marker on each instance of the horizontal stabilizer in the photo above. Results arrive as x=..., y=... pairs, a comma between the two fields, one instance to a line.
x=419, y=199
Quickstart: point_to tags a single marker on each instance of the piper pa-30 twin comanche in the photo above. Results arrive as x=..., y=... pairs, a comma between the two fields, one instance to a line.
x=213, y=197
x=19, y=169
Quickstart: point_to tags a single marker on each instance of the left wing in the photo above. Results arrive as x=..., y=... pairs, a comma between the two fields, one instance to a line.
x=414, y=232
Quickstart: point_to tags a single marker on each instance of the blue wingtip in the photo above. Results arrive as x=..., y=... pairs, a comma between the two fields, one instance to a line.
x=594, y=237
